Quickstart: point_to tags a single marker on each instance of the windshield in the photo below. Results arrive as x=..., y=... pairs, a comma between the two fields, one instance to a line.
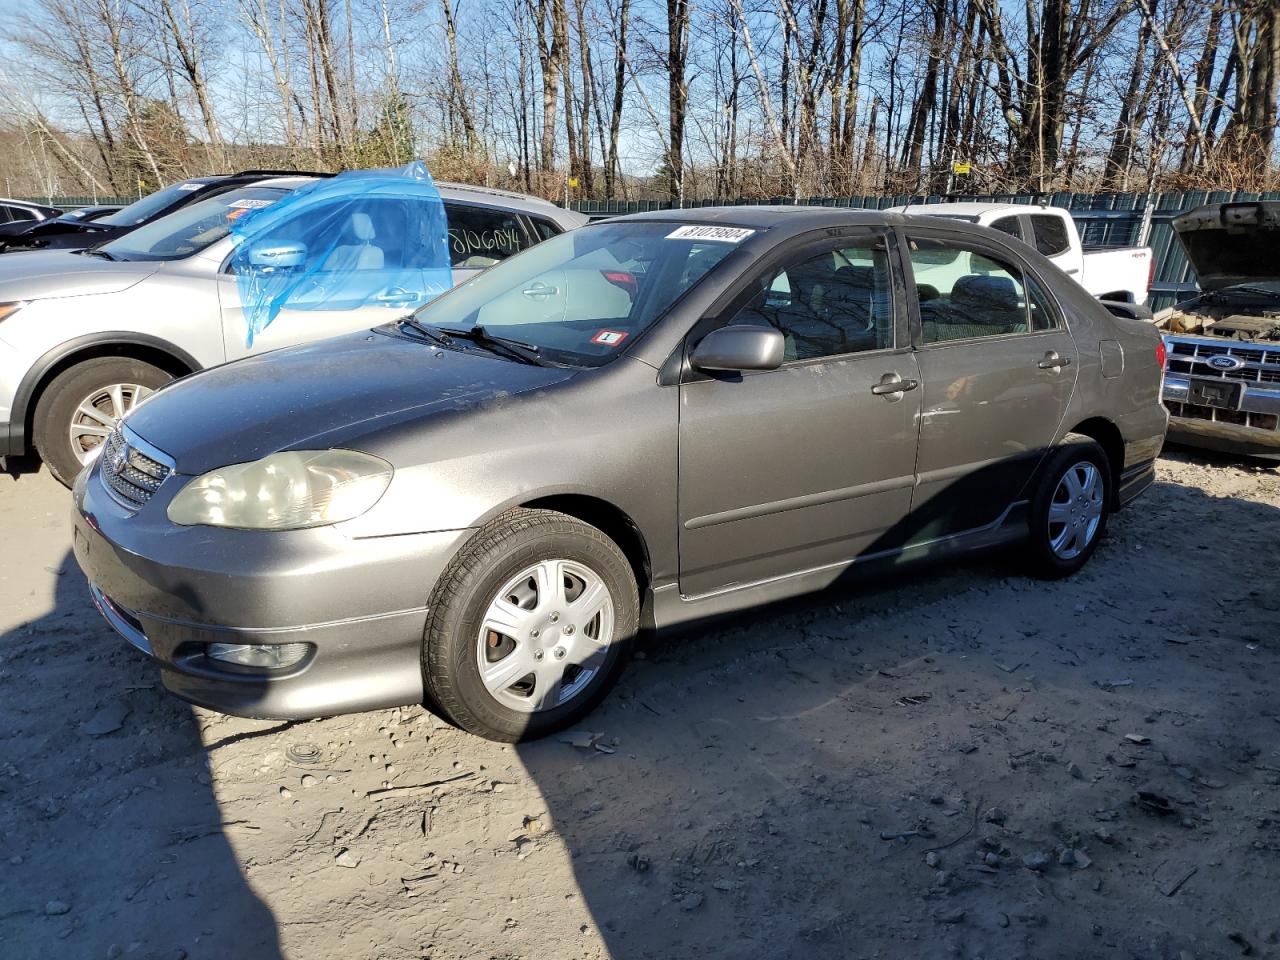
x=190, y=229
x=150, y=205
x=583, y=296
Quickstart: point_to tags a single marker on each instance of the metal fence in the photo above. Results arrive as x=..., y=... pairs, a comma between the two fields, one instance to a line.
x=1104, y=219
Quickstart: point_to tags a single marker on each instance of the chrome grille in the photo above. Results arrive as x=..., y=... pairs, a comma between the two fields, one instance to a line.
x=130, y=475
x=1189, y=358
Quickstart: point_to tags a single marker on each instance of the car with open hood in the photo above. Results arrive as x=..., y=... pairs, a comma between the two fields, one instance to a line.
x=1222, y=381
x=644, y=422
x=86, y=335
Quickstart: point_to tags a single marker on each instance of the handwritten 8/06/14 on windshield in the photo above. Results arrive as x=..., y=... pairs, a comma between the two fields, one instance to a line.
x=470, y=241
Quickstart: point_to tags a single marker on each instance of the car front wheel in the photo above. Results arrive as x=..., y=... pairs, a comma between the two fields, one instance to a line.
x=1070, y=507
x=529, y=627
x=83, y=404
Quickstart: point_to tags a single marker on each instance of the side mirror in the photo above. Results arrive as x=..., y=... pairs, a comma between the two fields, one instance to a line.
x=277, y=254
x=739, y=348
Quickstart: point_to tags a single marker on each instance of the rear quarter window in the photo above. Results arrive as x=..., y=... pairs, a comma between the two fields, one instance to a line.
x=1050, y=234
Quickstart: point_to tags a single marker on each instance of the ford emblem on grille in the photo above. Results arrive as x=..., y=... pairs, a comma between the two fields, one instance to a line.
x=1221, y=361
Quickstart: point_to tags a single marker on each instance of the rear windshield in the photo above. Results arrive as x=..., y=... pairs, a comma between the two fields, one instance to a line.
x=585, y=295
x=192, y=228
x=151, y=205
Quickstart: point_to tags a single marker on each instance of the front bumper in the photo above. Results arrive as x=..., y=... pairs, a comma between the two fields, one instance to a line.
x=360, y=605
x=1252, y=428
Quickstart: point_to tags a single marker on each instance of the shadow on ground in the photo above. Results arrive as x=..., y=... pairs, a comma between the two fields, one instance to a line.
x=934, y=766
x=939, y=766
x=113, y=839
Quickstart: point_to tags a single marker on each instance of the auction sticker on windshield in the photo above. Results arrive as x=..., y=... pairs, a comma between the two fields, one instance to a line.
x=710, y=232
x=609, y=338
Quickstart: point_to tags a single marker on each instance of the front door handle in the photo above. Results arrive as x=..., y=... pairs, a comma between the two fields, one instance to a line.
x=892, y=386
x=539, y=291
x=1053, y=361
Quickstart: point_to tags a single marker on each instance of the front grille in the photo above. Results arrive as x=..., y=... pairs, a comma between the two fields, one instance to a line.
x=130, y=475
x=1189, y=358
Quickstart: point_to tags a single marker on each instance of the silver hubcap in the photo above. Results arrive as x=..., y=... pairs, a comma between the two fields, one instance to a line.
x=98, y=413
x=1076, y=510
x=545, y=636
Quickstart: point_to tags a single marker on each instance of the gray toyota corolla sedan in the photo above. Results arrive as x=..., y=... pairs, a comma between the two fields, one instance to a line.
x=641, y=423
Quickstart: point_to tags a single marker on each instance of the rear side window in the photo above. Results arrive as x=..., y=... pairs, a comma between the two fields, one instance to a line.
x=20, y=214
x=1009, y=225
x=479, y=237
x=544, y=229
x=1051, y=234
x=829, y=304
x=981, y=295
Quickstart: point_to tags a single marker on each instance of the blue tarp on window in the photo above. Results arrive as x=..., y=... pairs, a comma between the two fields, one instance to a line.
x=362, y=237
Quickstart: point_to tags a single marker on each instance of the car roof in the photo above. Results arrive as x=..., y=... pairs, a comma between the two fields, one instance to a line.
x=967, y=208
x=762, y=217
x=25, y=203
x=521, y=202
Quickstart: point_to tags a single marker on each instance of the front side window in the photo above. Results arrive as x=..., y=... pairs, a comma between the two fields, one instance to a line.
x=355, y=234
x=190, y=229
x=20, y=214
x=1051, y=234
x=583, y=296
x=836, y=302
x=978, y=295
x=479, y=237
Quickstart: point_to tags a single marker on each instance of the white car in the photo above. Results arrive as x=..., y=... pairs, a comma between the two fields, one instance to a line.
x=1109, y=273
x=85, y=335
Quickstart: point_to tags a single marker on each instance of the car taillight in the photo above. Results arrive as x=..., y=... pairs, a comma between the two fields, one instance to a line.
x=1162, y=353
x=624, y=279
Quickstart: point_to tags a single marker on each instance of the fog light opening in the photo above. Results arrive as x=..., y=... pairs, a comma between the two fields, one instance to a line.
x=260, y=656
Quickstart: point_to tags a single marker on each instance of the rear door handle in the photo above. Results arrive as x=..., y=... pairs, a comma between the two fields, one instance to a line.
x=892, y=385
x=1053, y=361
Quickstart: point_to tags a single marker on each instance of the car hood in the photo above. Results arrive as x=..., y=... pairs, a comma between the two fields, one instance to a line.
x=1232, y=243
x=332, y=393
x=43, y=274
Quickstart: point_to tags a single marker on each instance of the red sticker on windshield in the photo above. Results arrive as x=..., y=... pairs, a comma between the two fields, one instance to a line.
x=609, y=338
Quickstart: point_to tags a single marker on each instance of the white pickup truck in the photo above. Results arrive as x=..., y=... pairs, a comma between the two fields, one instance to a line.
x=1109, y=273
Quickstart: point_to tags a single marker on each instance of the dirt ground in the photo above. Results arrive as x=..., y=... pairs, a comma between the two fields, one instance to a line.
x=963, y=763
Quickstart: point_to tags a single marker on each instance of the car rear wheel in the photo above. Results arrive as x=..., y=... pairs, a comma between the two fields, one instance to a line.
x=83, y=404
x=1070, y=507
x=529, y=627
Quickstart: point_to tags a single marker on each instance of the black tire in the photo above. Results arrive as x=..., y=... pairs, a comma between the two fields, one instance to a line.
x=498, y=552
x=58, y=404
x=1074, y=450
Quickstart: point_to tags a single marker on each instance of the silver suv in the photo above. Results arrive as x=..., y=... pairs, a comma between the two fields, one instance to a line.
x=86, y=335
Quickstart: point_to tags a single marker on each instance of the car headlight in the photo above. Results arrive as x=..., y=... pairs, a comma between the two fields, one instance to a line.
x=7, y=310
x=285, y=491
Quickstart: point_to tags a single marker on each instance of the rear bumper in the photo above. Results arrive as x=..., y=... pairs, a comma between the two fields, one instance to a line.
x=12, y=442
x=171, y=591
x=1134, y=481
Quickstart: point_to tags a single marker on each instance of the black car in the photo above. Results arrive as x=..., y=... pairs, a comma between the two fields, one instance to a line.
x=77, y=232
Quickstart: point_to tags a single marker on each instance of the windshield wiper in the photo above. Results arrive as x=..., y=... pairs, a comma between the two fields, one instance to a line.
x=95, y=252
x=432, y=333
x=524, y=352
